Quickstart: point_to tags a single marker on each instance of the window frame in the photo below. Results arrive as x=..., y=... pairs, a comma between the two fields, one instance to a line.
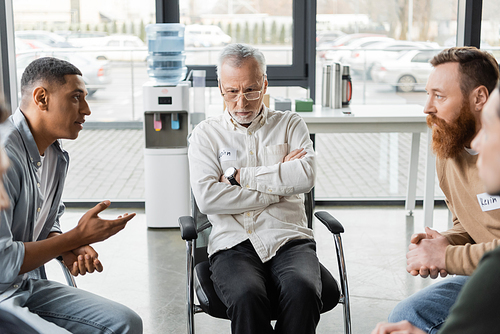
x=300, y=73
x=8, y=71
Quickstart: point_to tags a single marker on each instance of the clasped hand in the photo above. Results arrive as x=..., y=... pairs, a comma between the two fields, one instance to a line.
x=82, y=260
x=427, y=254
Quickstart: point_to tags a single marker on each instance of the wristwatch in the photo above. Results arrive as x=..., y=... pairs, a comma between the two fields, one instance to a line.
x=230, y=174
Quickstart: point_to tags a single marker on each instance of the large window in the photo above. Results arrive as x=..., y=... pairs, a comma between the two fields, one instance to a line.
x=377, y=38
x=280, y=29
x=265, y=24
x=104, y=39
x=386, y=43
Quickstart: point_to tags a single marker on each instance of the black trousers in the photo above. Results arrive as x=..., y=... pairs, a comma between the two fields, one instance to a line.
x=290, y=283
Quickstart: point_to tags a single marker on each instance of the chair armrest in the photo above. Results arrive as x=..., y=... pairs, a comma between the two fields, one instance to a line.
x=70, y=280
x=188, y=228
x=330, y=222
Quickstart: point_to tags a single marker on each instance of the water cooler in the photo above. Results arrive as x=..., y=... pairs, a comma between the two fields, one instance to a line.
x=166, y=127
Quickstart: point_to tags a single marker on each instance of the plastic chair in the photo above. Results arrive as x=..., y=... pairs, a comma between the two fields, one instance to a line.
x=195, y=231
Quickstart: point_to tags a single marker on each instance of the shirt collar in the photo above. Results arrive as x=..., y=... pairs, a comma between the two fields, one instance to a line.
x=21, y=125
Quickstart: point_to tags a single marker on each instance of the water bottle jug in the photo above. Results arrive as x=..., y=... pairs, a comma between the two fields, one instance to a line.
x=166, y=59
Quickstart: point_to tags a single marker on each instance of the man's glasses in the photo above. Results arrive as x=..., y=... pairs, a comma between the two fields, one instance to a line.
x=250, y=96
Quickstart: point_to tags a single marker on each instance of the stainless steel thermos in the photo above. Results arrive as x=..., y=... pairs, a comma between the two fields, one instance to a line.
x=346, y=85
x=326, y=92
x=337, y=78
x=336, y=86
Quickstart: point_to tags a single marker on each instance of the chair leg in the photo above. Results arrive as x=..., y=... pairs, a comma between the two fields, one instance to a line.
x=190, y=287
x=344, y=298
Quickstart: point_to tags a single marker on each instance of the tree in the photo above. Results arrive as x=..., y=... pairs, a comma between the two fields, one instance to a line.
x=263, y=35
x=422, y=18
x=238, y=33
x=274, y=33
x=124, y=28
x=246, y=34
x=282, y=35
x=133, y=28
x=230, y=30
x=142, y=34
x=255, y=34
x=402, y=15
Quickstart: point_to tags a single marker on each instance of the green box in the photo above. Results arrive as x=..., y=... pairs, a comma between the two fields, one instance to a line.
x=305, y=104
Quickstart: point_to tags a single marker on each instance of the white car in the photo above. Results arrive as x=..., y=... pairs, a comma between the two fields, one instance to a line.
x=46, y=37
x=407, y=72
x=362, y=60
x=198, y=35
x=338, y=54
x=114, y=47
x=95, y=73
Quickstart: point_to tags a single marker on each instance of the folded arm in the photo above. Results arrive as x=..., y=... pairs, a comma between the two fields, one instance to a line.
x=290, y=176
x=213, y=196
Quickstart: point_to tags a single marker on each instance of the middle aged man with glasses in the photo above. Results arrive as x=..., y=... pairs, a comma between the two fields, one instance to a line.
x=249, y=167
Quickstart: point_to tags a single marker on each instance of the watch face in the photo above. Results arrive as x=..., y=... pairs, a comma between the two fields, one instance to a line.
x=229, y=172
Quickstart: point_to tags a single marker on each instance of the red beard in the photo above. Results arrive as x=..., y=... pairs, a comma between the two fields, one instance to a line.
x=449, y=140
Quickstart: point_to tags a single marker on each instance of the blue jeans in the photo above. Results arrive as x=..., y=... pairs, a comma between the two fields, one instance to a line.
x=429, y=308
x=244, y=285
x=42, y=306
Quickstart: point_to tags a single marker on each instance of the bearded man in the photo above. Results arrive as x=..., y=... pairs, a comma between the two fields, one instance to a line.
x=457, y=88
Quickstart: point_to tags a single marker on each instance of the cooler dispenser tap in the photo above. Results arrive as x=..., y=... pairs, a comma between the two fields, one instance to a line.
x=157, y=121
x=175, y=121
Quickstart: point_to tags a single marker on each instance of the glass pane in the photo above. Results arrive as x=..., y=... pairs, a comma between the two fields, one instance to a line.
x=211, y=25
x=387, y=46
x=490, y=28
x=104, y=39
x=379, y=40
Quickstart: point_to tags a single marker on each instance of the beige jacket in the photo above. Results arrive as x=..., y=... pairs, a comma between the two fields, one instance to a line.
x=474, y=232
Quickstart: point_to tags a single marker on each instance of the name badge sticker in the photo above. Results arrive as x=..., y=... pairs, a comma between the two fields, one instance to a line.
x=227, y=154
x=488, y=202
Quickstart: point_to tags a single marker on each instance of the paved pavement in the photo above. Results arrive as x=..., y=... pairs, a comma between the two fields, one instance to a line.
x=108, y=164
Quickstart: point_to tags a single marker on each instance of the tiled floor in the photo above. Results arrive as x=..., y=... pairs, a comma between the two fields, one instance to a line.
x=145, y=268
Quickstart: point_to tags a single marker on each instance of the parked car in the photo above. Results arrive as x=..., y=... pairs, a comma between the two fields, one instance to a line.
x=26, y=45
x=339, y=53
x=364, y=57
x=46, y=37
x=95, y=73
x=340, y=42
x=84, y=39
x=408, y=72
x=198, y=35
x=114, y=47
x=327, y=38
